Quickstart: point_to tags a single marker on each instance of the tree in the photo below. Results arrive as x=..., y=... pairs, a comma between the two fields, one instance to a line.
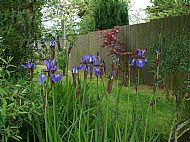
x=110, y=13
x=166, y=8
x=20, y=26
x=102, y=14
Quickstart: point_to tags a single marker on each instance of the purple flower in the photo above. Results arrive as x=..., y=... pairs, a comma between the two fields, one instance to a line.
x=88, y=59
x=75, y=70
x=52, y=42
x=85, y=67
x=96, y=71
x=31, y=65
x=141, y=62
x=42, y=78
x=84, y=59
x=56, y=77
x=140, y=53
x=131, y=61
x=80, y=67
x=92, y=59
x=50, y=66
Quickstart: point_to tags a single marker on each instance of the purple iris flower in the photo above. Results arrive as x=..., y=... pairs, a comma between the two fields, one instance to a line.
x=88, y=59
x=140, y=53
x=50, y=66
x=96, y=71
x=80, y=67
x=140, y=59
x=56, y=77
x=84, y=59
x=141, y=62
x=131, y=61
x=31, y=65
x=42, y=78
x=75, y=69
x=52, y=42
x=85, y=67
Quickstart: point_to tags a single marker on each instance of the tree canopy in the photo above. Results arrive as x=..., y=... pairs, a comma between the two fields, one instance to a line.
x=166, y=8
x=20, y=24
x=102, y=14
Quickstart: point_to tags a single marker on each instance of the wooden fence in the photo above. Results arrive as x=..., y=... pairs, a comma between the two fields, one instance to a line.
x=132, y=37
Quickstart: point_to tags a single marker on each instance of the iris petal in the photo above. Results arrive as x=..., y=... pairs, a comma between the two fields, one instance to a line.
x=142, y=52
x=96, y=71
x=138, y=52
x=47, y=63
x=133, y=62
x=56, y=77
x=140, y=63
x=53, y=63
x=42, y=78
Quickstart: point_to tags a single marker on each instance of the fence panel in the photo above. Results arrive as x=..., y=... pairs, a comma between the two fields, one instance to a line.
x=131, y=37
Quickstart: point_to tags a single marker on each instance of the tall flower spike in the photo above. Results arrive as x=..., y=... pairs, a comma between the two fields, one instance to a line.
x=110, y=82
x=112, y=66
x=157, y=57
x=74, y=71
x=31, y=69
x=104, y=64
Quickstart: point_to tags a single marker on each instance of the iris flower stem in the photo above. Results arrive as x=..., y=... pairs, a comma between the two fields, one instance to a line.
x=138, y=82
x=46, y=105
x=88, y=115
x=33, y=131
x=107, y=116
x=157, y=75
x=98, y=109
x=67, y=76
x=129, y=90
x=117, y=108
x=55, y=112
x=146, y=120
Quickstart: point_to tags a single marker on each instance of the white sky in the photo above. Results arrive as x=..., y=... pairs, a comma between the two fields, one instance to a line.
x=136, y=13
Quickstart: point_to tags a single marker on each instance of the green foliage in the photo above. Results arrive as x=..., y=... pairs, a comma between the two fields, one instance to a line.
x=166, y=8
x=102, y=14
x=174, y=68
x=110, y=13
x=14, y=105
x=175, y=52
x=20, y=23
